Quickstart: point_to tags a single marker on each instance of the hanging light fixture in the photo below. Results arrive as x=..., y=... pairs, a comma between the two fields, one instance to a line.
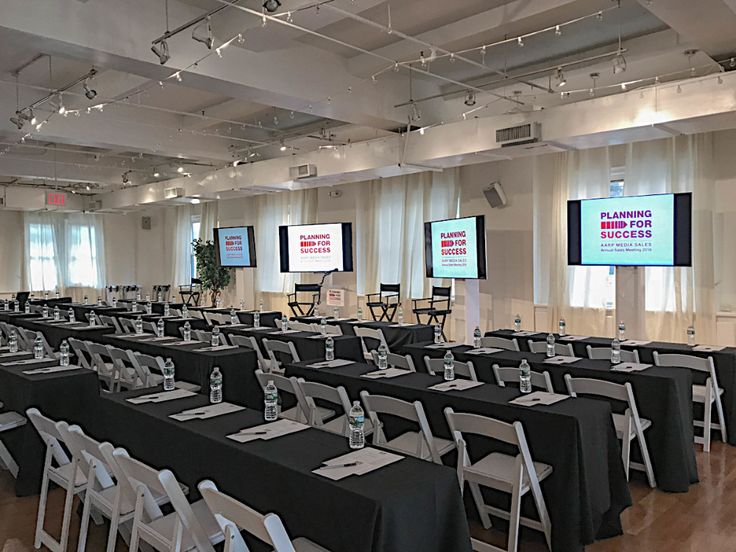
x=271, y=5
x=560, y=76
x=470, y=99
x=203, y=33
x=89, y=92
x=161, y=49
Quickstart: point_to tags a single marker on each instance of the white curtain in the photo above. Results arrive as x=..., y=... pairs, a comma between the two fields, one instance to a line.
x=209, y=220
x=182, y=244
x=41, y=252
x=679, y=297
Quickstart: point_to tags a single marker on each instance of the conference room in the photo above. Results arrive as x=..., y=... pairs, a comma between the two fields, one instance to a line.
x=367, y=275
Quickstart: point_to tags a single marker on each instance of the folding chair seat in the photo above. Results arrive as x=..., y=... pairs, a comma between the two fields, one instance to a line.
x=279, y=350
x=510, y=374
x=436, y=366
x=562, y=349
x=9, y=420
x=290, y=386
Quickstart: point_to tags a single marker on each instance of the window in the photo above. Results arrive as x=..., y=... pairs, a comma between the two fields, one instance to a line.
x=82, y=256
x=42, y=257
x=196, y=223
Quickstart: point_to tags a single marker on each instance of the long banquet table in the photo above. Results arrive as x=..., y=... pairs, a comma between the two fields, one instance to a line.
x=587, y=490
x=56, y=332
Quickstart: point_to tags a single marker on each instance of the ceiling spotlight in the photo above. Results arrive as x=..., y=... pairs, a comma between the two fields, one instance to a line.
x=619, y=64
x=520, y=42
x=89, y=92
x=238, y=162
x=470, y=98
x=558, y=31
x=161, y=49
x=17, y=121
x=194, y=201
x=560, y=76
x=283, y=146
x=87, y=187
x=126, y=180
x=27, y=115
x=203, y=33
x=271, y=5
x=416, y=115
x=180, y=169
x=156, y=174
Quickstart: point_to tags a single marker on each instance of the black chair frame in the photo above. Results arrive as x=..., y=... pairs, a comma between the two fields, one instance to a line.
x=191, y=293
x=436, y=308
x=383, y=305
x=298, y=304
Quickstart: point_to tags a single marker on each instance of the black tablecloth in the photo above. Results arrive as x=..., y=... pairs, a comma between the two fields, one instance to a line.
x=725, y=363
x=156, y=306
x=268, y=318
x=51, y=301
x=12, y=317
x=587, y=490
x=69, y=396
x=195, y=367
x=81, y=311
x=663, y=395
x=408, y=506
x=56, y=332
x=397, y=337
x=171, y=323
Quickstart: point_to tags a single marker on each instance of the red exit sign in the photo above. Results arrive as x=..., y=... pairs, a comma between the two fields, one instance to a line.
x=57, y=199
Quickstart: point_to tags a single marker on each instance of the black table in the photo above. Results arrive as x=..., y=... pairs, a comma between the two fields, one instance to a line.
x=156, y=306
x=171, y=323
x=725, y=363
x=69, y=395
x=397, y=337
x=663, y=395
x=51, y=301
x=268, y=318
x=56, y=332
x=81, y=310
x=12, y=317
x=195, y=367
x=404, y=507
x=587, y=490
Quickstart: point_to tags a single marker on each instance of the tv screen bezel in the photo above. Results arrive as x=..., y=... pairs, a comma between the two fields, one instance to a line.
x=482, y=260
x=251, y=246
x=682, y=231
x=347, y=247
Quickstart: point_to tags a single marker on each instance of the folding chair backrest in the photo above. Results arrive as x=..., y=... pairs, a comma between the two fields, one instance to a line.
x=247, y=342
x=475, y=424
x=601, y=388
x=78, y=444
x=233, y=516
x=604, y=353
x=684, y=361
x=282, y=383
x=301, y=326
x=126, y=325
x=184, y=511
x=50, y=435
x=510, y=374
x=145, y=366
x=141, y=478
x=81, y=352
x=110, y=321
x=500, y=343
x=99, y=353
x=389, y=290
x=464, y=369
x=277, y=349
x=564, y=349
x=373, y=335
x=127, y=491
x=28, y=336
x=203, y=335
x=121, y=361
x=396, y=361
x=334, y=395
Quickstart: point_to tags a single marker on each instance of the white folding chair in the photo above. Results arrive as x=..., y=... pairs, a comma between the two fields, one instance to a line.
x=9, y=420
x=127, y=325
x=26, y=338
x=126, y=376
x=500, y=343
x=110, y=321
x=510, y=374
x=330, y=329
x=515, y=475
x=80, y=351
x=250, y=342
x=233, y=516
x=103, y=365
x=604, y=353
x=151, y=370
x=290, y=386
x=188, y=527
x=405, y=362
x=706, y=395
x=374, y=334
x=629, y=426
x=463, y=369
x=420, y=444
x=301, y=326
x=278, y=349
x=309, y=391
x=563, y=349
x=203, y=335
x=60, y=469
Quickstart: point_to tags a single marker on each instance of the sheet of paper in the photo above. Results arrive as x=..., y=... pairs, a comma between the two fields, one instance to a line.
x=456, y=385
x=27, y=362
x=10, y=355
x=524, y=333
x=207, y=411
x=387, y=373
x=163, y=396
x=630, y=367
x=337, y=363
x=708, y=348
x=573, y=337
x=444, y=345
x=183, y=343
x=402, y=325
x=268, y=431
x=634, y=343
x=538, y=397
x=287, y=331
x=483, y=351
x=51, y=370
x=164, y=338
x=561, y=359
x=358, y=462
x=218, y=348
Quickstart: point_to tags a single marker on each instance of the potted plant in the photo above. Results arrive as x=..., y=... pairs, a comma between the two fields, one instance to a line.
x=214, y=277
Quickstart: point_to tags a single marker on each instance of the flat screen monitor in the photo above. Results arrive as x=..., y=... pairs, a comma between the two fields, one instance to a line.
x=456, y=248
x=316, y=247
x=236, y=246
x=647, y=230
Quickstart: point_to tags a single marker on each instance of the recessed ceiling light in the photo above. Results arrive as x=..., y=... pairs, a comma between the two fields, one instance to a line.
x=194, y=201
x=180, y=169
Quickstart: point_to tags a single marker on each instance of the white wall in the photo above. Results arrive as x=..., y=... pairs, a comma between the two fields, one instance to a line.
x=11, y=250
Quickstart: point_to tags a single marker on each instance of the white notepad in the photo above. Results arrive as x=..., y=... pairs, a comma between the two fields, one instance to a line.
x=207, y=411
x=573, y=337
x=630, y=367
x=634, y=343
x=561, y=359
x=268, y=431
x=483, y=351
x=337, y=363
x=524, y=333
x=387, y=373
x=449, y=345
x=708, y=348
x=456, y=385
x=538, y=397
x=359, y=462
x=51, y=370
x=163, y=396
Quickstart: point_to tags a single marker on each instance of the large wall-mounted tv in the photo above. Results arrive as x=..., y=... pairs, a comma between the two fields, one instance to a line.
x=455, y=248
x=236, y=246
x=316, y=248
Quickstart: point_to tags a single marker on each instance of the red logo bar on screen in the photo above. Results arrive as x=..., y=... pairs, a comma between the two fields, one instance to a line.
x=613, y=224
x=308, y=243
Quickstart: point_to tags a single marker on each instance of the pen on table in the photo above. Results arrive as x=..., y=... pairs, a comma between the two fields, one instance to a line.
x=335, y=466
x=264, y=432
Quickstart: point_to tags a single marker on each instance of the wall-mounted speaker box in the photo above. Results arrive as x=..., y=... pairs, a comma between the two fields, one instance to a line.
x=145, y=223
x=495, y=196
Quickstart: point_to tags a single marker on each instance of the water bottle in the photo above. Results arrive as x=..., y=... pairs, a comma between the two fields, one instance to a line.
x=72, y=316
x=85, y=301
x=356, y=419
x=168, y=375
x=360, y=313
x=148, y=298
x=615, y=351
x=134, y=306
x=57, y=313
x=382, y=357
x=64, y=354
x=99, y=301
x=242, y=305
x=26, y=308
x=187, y=332
x=149, y=308
x=6, y=304
x=16, y=306
x=159, y=296
x=92, y=318
x=329, y=348
x=260, y=305
x=184, y=311
x=13, y=342
x=167, y=309
x=270, y=402
x=216, y=386
x=335, y=313
x=437, y=334
x=476, y=337
x=621, y=331
x=691, y=336
x=517, y=323
x=233, y=316
x=138, y=295
x=315, y=312
x=448, y=364
x=45, y=310
x=562, y=327
x=256, y=319
x=400, y=315
x=138, y=325
x=114, y=302
x=525, y=377
x=215, y=342
x=323, y=327
x=57, y=295
x=38, y=347
x=284, y=323
x=550, y=346
x=160, y=327
x=45, y=295
x=218, y=302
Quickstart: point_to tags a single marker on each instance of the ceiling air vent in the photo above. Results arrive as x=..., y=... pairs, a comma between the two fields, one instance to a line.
x=173, y=193
x=303, y=171
x=522, y=134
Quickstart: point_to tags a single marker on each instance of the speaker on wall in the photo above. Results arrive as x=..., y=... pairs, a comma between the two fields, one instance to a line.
x=495, y=195
x=146, y=223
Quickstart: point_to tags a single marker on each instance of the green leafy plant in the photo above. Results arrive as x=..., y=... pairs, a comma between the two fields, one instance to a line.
x=214, y=277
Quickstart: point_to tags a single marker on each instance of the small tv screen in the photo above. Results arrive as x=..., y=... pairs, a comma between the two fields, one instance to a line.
x=647, y=230
x=455, y=248
x=236, y=246
x=316, y=247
